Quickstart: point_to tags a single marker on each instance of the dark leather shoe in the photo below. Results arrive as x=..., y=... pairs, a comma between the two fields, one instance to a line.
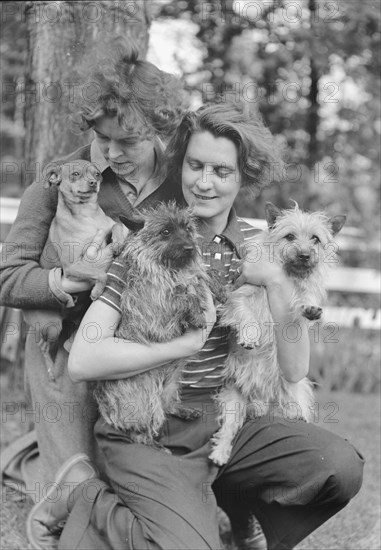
x=252, y=538
x=48, y=517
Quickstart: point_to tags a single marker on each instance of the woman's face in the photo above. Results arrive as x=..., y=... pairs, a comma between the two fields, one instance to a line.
x=211, y=177
x=125, y=152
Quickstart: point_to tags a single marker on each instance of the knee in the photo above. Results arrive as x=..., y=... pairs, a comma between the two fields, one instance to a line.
x=343, y=471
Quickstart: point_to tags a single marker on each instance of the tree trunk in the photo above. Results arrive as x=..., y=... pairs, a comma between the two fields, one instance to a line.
x=60, y=34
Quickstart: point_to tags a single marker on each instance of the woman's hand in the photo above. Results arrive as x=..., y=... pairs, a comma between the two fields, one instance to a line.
x=95, y=259
x=193, y=340
x=97, y=354
x=259, y=269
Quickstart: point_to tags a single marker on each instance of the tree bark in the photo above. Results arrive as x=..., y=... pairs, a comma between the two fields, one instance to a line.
x=60, y=34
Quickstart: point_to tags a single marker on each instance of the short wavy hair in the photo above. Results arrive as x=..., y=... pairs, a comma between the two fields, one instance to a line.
x=259, y=156
x=145, y=99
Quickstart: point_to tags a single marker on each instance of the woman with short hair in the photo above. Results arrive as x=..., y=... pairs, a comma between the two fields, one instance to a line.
x=291, y=475
x=133, y=108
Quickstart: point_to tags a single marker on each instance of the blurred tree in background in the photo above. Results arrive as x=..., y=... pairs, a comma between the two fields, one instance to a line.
x=13, y=51
x=61, y=40
x=311, y=67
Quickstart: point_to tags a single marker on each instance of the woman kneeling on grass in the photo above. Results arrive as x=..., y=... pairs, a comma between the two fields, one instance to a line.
x=291, y=475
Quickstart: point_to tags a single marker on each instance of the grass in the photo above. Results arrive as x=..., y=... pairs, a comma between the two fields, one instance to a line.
x=356, y=527
x=345, y=360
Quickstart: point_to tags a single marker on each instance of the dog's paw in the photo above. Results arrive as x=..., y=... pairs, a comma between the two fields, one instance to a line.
x=247, y=342
x=313, y=313
x=118, y=236
x=247, y=345
x=217, y=285
x=220, y=455
x=197, y=320
x=195, y=315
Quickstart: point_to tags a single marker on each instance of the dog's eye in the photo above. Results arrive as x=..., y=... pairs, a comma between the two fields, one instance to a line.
x=97, y=174
x=290, y=237
x=316, y=239
x=165, y=232
x=76, y=174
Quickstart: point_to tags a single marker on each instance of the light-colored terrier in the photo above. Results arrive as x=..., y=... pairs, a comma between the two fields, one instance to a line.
x=302, y=244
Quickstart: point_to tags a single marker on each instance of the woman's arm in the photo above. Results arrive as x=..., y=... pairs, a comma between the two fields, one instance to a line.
x=292, y=337
x=24, y=284
x=97, y=354
x=28, y=279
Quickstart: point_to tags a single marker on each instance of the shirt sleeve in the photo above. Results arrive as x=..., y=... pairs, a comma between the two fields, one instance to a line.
x=24, y=283
x=115, y=285
x=55, y=284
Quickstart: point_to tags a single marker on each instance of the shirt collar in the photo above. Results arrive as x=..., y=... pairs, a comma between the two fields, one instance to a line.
x=232, y=233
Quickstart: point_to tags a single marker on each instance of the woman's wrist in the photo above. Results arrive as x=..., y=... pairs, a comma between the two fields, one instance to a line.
x=191, y=342
x=71, y=287
x=278, y=280
x=274, y=277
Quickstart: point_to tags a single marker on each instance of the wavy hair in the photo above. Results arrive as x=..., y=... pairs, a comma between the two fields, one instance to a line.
x=145, y=99
x=259, y=156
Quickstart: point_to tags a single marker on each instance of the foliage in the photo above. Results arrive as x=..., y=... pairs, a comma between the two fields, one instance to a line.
x=312, y=70
x=13, y=49
x=310, y=67
x=348, y=361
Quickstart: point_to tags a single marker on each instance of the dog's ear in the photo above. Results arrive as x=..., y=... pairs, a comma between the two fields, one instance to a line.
x=52, y=175
x=337, y=223
x=133, y=224
x=271, y=213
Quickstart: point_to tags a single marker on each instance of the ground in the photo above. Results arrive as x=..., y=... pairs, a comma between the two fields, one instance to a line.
x=357, y=527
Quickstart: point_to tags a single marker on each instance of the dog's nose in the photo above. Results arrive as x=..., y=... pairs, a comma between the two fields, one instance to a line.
x=92, y=183
x=188, y=247
x=304, y=256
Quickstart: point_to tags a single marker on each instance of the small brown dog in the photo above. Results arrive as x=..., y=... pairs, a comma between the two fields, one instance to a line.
x=78, y=218
x=72, y=230
x=302, y=244
x=167, y=289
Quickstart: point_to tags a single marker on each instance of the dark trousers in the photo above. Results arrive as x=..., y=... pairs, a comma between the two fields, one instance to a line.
x=292, y=475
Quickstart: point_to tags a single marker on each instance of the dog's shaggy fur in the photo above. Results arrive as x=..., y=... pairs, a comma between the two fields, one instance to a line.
x=302, y=243
x=166, y=292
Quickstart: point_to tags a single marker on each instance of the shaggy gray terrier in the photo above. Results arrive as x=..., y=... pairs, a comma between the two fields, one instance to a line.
x=166, y=292
x=303, y=245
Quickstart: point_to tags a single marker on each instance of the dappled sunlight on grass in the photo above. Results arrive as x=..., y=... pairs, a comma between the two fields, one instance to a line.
x=352, y=416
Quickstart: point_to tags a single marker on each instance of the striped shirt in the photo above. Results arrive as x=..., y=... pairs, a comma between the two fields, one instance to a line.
x=222, y=253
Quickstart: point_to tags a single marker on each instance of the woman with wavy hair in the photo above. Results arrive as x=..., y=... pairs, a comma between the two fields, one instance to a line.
x=133, y=108
x=290, y=475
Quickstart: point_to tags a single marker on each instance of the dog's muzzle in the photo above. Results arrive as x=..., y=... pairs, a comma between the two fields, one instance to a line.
x=300, y=268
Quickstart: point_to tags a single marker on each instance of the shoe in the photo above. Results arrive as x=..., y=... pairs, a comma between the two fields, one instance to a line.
x=253, y=538
x=48, y=517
